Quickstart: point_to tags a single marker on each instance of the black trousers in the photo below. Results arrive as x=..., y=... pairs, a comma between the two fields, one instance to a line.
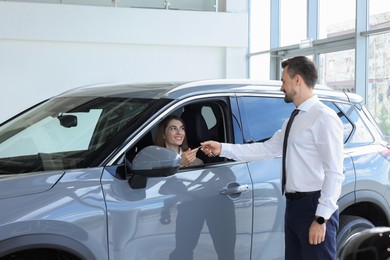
x=298, y=217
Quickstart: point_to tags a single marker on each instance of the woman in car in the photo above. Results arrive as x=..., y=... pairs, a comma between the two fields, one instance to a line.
x=171, y=134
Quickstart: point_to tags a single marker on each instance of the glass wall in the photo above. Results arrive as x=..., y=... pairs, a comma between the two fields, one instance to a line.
x=378, y=87
x=379, y=14
x=293, y=21
x=336, y=17
x=378, y=91
x=190, y=5
x=260, y=68
x=259, y=26
x=352, y=51
x=337, y=70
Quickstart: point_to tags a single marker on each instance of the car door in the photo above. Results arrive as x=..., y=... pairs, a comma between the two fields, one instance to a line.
x=364, y=146
x=202, y=212
x=261, y=117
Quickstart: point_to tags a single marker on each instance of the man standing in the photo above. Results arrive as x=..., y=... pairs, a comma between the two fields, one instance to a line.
x=311, y=145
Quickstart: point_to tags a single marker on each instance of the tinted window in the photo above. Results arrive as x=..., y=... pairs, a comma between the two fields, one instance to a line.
x=263, y=116
x=347, y=125
x=361, y=134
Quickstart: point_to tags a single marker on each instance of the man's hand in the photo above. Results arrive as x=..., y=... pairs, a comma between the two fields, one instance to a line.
x=211, y=148
x=316, y=233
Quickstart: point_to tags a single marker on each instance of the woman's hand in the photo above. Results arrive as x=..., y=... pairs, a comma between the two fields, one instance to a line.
x=188, y=157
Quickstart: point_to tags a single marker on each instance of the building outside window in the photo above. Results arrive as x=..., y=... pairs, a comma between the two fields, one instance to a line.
x=337, y=70
x=378, y=91
x=336, y=18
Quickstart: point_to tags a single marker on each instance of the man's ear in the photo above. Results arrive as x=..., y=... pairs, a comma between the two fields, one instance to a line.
x=298, y=79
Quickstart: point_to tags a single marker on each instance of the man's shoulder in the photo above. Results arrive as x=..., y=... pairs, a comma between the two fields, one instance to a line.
x=322, y=112
x=320, y=107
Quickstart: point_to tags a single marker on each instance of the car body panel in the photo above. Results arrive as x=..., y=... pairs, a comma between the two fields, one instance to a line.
x=186, y=207
x=375, y=178
x=29, y=183
x=349, y=174
x=268, y=213
x=74, y=209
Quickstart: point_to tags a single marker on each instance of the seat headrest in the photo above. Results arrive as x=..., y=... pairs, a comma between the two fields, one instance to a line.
x=196, y=127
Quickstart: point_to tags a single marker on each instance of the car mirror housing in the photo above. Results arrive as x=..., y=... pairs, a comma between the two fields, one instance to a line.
x=153, y=161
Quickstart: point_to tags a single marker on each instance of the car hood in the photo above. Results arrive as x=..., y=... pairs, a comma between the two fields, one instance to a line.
x=24, y=184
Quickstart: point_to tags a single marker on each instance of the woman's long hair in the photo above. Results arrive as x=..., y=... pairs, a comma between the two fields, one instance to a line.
x=160, y=141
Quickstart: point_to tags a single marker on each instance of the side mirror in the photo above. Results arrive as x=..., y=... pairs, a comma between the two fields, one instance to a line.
x=153, y=161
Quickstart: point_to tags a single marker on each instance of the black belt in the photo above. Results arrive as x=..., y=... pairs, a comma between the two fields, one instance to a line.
x=298, y=195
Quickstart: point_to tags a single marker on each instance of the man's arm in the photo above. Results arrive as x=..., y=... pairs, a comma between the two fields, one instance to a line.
x=246, y=152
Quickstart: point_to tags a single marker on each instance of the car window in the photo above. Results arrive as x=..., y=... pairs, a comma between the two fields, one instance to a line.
x=360, y=135
x=263, y=116
x=70, y=131
x=347, y=125
x=203, y=121
x=209, y=116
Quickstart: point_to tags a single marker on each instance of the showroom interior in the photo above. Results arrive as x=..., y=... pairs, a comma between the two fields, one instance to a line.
x=50, y=46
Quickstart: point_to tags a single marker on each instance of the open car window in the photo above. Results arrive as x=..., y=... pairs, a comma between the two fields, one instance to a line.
x=203, y=121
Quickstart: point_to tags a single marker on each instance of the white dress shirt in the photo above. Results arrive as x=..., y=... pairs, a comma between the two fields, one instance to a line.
x=314, y=157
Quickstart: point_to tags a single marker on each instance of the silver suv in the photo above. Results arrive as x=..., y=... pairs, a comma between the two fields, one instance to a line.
x=81, y=178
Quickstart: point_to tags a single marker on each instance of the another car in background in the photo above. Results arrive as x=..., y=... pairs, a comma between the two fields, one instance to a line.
x=369, y=244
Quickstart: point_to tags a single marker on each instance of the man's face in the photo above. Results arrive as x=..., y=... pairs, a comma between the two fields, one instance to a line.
x=288, y=86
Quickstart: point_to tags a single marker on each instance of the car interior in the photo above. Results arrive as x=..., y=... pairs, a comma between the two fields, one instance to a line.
x=203, y=121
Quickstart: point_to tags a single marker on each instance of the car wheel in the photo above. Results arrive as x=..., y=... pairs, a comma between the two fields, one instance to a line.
x=348, y=226
x=40, y=254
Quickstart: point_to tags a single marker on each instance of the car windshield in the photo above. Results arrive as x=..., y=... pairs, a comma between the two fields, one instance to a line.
x=63, y=132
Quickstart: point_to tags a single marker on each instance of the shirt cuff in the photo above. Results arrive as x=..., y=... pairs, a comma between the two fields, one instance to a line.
x=324, y=212
x=226, y=149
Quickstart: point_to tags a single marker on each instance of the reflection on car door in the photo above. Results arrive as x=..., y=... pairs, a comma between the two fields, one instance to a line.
x=183, y=216
x=269, y=204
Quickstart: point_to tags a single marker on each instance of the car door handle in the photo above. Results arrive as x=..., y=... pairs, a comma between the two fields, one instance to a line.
x=234, y=190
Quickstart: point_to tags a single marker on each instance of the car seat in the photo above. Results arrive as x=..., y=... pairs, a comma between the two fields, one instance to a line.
x=196, y=128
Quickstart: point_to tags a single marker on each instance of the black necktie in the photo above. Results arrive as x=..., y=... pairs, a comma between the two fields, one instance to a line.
x=290, y=121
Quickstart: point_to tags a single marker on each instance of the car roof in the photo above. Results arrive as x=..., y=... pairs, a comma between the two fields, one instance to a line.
x=180, y=90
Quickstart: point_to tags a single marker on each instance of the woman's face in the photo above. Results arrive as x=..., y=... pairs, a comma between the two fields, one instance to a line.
x=174, y=133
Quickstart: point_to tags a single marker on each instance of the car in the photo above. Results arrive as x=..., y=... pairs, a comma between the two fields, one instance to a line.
x=81, y=177
x=370, y=243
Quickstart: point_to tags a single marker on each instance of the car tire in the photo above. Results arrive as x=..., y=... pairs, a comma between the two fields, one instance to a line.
x=348, y=226
x=40, y=254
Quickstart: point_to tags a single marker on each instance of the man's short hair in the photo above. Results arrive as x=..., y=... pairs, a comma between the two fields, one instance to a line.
x=302, y=66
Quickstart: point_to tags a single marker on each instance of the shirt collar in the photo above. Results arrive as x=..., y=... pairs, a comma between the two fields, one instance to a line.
x=308, y=103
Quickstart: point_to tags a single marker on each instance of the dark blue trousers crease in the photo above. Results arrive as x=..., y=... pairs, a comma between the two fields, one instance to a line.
x=298, y=217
